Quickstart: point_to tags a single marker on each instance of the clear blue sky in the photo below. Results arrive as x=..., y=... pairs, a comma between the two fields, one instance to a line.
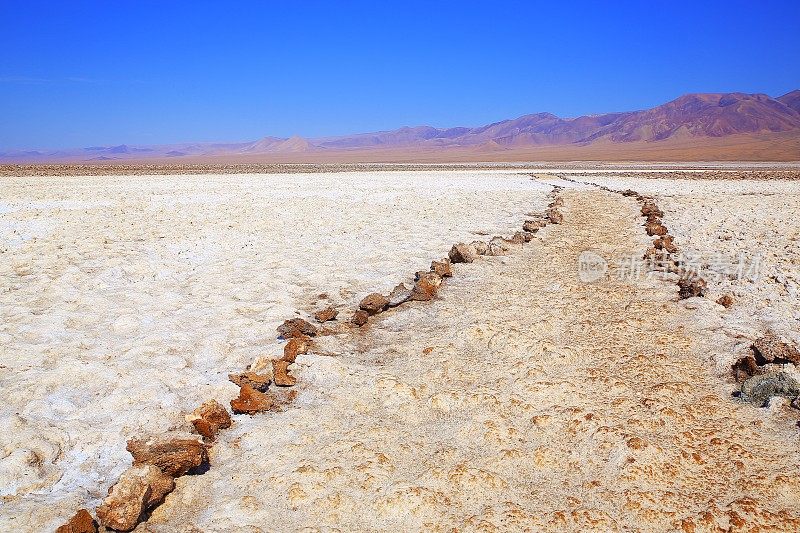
x=76, y=74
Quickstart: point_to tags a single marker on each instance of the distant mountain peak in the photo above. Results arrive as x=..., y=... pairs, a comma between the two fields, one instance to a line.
x=693, y=116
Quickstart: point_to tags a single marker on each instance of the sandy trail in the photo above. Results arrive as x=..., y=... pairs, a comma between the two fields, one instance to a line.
x=545, y=403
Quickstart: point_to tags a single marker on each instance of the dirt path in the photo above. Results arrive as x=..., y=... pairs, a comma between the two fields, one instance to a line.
x=544, y=403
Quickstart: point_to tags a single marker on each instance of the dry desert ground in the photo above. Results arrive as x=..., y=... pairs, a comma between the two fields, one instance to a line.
x=559, y=380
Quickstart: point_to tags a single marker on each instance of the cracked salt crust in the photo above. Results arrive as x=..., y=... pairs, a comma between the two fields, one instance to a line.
x=138, y=295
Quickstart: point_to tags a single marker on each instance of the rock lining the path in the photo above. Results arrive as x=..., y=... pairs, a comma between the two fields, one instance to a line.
x=81, y=522
x=297, y=327
x=139, y=489
x=173, y=454
x=251, y=401
x=326, y=315
x=209, y=418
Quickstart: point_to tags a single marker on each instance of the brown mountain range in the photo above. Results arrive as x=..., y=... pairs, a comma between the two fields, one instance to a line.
x=694, y=126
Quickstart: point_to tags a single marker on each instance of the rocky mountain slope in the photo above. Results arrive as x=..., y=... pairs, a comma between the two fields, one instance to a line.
x=693, y=117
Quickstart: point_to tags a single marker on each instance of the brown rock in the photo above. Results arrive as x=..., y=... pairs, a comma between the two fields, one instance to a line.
x=554, y=216
x=399, y=295
x=498, y=246
x=295, y=347
x=297, y=327
x=82, y=522
x=280, y=369
x=521, y=237
x=442, y=268
x=558, y=202
x=665, y=243
x=324, y=315
x=209, y=418
x=360, y=318
x=745, y=367
x=533, y=226
x=259, y=382
x=655, y=228
x=771, y=349
x=251, y=401
x=652, y=219
x=462, y=253
x=426, y=287
x=373, y=303
x=651, y=209
x=420, y=273
x=139, y=489
x=480, y=247
x=629, y=192
x=726, y=300
x=691, y=286
x=174, y=455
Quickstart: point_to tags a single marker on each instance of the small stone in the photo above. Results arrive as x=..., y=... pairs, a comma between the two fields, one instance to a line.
x=426, y=287
x=259, y=382
x=690, y=287
x=533, y=226
x=360, y=318
x=745, y=368
x=665, y=243
x=726, y=300
x=558, y=202
x=373, y=303
x=139, y=489
x=420, y=273
x=655, y=228
x=521, y=237
x=480, y=247
x=297, y=327
x=442, y=268
x=759, y=389
x=325, y=315
x=629, y=192
x=251, y=401
x=173, y=455
x=554, y=216
x=295, y=347
x=771, y=349
x=462, y=253
x=399, y=295
x=498, y=246
x=280, y=369
x=651, y=209
x=209, y=418
x=82, y=522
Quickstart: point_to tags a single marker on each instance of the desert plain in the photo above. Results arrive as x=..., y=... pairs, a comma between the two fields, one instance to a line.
x=529, y=394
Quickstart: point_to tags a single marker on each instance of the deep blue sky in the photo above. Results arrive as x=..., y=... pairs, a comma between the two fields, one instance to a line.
x=78, y=74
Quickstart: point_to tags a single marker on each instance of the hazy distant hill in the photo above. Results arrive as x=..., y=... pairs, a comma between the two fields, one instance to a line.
x=692, y=118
